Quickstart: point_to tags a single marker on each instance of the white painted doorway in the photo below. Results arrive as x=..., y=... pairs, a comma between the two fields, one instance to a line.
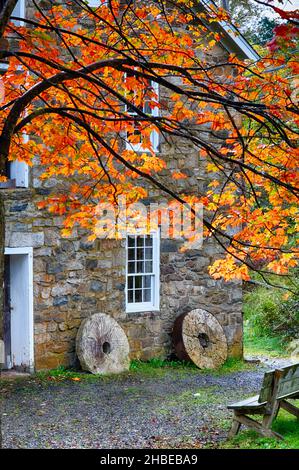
x=20, y=342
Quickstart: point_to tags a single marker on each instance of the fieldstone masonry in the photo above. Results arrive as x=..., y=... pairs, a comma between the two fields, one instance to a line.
x=74, y=278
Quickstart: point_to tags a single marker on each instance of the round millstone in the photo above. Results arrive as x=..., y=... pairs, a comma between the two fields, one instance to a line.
x=199, y=337
x=102, y=345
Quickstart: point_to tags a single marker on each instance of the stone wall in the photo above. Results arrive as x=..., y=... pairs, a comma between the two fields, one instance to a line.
x=74, y=279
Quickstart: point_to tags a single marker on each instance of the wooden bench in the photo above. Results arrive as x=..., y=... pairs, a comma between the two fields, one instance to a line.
x=278, y=386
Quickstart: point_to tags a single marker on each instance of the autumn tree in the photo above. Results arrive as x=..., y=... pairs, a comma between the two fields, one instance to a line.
x=76, y=84
x=251, y=18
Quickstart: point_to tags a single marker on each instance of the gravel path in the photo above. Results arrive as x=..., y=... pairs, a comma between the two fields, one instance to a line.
x=173, y=409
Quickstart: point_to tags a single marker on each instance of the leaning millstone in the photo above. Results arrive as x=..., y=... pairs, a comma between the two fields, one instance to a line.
x=198, y=337
x=102, y=346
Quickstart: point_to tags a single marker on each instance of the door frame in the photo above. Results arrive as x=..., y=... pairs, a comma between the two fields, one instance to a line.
x=27, y=251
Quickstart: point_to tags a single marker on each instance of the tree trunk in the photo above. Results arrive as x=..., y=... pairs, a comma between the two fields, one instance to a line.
x=6, y=9
x=2, y=239
x=2, y=244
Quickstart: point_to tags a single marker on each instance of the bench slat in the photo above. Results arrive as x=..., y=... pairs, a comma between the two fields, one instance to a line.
x=251, y=402
x=266, y=387
x=288, y=383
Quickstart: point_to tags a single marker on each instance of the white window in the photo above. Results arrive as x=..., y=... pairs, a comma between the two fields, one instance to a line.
x=134, y=140
x=142, y=272
x=19, y=171
x=94, y=3
x=19, y=11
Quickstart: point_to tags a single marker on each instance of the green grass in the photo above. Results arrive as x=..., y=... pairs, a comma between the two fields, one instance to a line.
x=230, y=365
x=160, y=366
x=154, y=368
x=189, y=401
x=255, y=345
x=203, y=396
x=286, y=424
x=62, y=373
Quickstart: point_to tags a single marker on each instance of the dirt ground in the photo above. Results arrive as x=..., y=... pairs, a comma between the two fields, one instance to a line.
x=169, y=409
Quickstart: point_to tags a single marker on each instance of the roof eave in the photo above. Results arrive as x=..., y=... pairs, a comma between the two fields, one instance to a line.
x=231, y=39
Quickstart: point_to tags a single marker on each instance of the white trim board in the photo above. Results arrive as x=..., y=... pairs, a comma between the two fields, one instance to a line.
x=22, y=321
x=232, y=39
x=19, y=11
x=20, y=172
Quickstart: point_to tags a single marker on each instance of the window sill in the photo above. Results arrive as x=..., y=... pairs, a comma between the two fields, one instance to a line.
x=142, y=309
x=139, y=150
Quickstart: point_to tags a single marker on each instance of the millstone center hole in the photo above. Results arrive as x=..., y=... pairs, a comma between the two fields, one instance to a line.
x=106, y=347
x=203, y=340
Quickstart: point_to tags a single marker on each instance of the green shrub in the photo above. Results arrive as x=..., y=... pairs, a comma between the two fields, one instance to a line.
x=289, y=313
x=269, y=313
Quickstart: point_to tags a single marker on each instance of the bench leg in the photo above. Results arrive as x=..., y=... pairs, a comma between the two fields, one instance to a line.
x=277, y=410
x=268, y=418
x=260, y=428
x=290, y=408
x=235, y=428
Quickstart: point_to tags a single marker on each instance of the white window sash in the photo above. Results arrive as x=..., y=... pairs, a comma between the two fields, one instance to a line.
x=19, y=11
x=19, y=171
x=94, y=3
x=154, y=134
x=155, y=280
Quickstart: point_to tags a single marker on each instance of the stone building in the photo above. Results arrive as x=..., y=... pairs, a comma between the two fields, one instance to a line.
x=53, y=283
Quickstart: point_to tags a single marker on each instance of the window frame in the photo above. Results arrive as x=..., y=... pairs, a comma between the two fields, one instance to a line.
x=21, y=5
x=19, y=171
x=94, y=3
x=154, y=304
x=154, y=134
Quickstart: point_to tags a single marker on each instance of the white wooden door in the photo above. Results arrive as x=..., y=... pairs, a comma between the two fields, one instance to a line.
x=21, y=302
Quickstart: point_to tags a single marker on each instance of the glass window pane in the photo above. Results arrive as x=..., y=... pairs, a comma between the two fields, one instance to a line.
x=147, y=295
x=148, y=253
x=131, y=282
x=131, y=267
x=148, y=240
x=138, y=282
x=146, y=108
x=140, y=266
x=140, y=254
x=147, y=281
x=148, y=266
x=131, y=253
x=140, y=241
x=130, y=296
x=138, y=295
x=131, y=241
x=135, y=137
